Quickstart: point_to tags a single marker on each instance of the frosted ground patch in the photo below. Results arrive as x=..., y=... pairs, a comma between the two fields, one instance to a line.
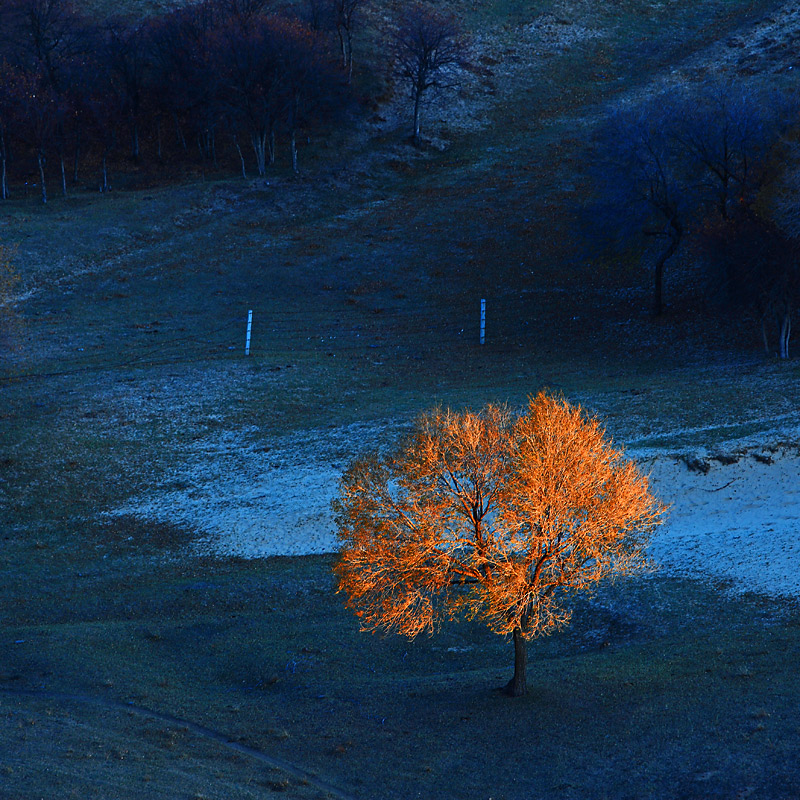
x=257, y=500
x=738, y=520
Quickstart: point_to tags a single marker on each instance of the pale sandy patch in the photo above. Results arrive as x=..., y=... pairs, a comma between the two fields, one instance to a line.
x=278, y=512
x=738, y=521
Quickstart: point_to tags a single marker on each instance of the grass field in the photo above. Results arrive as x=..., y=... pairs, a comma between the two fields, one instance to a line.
x=132, y=667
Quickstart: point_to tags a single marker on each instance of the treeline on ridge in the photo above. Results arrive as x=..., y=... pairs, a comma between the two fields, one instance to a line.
x=235, y=74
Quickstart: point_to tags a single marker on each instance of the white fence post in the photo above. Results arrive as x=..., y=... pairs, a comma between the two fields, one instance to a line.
x=249, y=327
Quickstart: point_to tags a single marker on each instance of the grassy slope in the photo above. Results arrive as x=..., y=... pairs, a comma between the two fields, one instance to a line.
x=362, y=288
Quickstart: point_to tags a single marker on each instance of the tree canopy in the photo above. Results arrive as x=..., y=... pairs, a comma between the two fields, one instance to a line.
x=500, y=516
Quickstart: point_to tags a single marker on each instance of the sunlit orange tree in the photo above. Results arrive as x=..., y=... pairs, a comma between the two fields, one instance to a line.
x=494, y=515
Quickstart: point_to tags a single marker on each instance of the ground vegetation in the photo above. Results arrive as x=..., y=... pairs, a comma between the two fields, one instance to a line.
x=129, y=643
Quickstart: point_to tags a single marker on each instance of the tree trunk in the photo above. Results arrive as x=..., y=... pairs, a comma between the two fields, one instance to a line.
x=295, y=115
x=723, y=200
x=135, y=141
x=104, y=186
x=271, y=144
x=350, y=65
x=658, y=281
x=179, y=132
x=160, y=153
x=41, y=177
x=259, y=147
x=241, y=157
x=63, y=176
x=675, y=232
x=417, y=108
x=518, y=685
x=75, y=162
x=786, y=332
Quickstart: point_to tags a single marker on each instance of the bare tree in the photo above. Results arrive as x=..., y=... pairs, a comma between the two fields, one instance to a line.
x=777, y=302
x=427, y=45
x=661, y=164
x=254, y=88
x=307, y=80
x=125, y=56
x=185, y=50
x=103, y=109
x=47, y=38
x=36, y=107
x=47, y=32
x=728, y=129
x=344, y=13
x=641, y=178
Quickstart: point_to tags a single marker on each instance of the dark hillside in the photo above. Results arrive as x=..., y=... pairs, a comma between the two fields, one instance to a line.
x=141, y=660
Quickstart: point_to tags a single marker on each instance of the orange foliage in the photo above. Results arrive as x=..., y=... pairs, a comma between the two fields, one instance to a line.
x=501, y=516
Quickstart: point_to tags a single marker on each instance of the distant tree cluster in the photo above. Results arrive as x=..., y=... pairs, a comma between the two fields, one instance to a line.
x=698, y=163
x=211, y=69
x=234, y=74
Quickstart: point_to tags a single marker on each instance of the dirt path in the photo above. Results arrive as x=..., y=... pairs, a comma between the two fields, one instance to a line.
x=308, y=778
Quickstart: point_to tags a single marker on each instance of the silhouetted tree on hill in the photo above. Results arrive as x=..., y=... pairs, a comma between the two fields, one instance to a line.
x=659, y=165
x=642, y=182
x=727, y=130
x=427, y=46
